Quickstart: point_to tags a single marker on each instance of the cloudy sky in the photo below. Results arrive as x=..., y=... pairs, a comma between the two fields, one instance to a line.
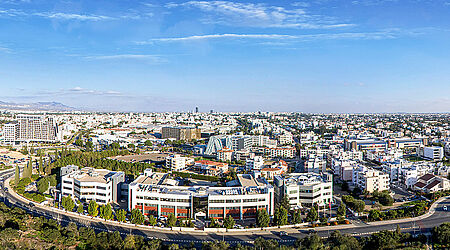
x=310, y=56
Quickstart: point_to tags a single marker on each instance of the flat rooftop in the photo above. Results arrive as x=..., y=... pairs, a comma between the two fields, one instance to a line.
x=152, y=157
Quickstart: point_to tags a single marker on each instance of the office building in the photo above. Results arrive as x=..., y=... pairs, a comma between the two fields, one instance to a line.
x=176, y=162
x=88, y=184
x=431, y=153
x=152, y=194
x=181, y=133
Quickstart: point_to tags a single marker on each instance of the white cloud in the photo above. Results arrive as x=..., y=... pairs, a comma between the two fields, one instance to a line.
x=151, y=58
x=259, y=15
x=71, y=16
x=386, y=34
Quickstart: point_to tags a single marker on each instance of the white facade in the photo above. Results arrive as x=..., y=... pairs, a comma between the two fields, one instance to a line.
x=91, y=184
x=255, y=163
x=431, y=153
x=176, y=162
x=370, y=179
x=29, y=128
x=152, y=195
x=305, y=189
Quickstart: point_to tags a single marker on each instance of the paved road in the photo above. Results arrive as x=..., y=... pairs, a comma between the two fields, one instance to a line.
x=416, y=225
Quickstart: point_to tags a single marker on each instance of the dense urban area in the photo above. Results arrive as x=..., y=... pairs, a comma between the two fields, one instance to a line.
x=214, y=180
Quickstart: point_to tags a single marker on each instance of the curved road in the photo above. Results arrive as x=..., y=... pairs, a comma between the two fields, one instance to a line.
x=422, y=224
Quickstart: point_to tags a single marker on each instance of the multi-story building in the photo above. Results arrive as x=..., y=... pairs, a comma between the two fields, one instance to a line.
x=211, y=167
x=370, y=179
x=364, y=145
x=181, y=133
x=176, y=162
x=315, y=165
x=88, y=184
x=305, y=189
x=224, y=154
x=153, y=196
x=283, y=152
x=254, y=163
x=30, y=128
x=285, y=139
x=431, y=153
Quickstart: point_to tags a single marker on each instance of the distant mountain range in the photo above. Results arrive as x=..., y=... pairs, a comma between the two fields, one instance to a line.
x=37, y=106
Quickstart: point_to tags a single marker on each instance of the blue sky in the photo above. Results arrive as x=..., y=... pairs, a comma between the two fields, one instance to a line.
x=310, y=56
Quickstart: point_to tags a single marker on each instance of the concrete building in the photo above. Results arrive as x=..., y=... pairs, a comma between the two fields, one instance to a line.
x=431, y=183
x=364, y=145
x=370, y=179
x=30, y=128
x=176, y=162
x=283, y=152
x=431, y=153
x=254, y=163
x=305, y=189
x=224, y=154
x=151, y=194
x=181, y=133
x=88, y=184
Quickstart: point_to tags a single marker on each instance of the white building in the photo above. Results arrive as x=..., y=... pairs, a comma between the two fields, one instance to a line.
x=88, y=184
x=254, y=163
x=370, y=179
x=315, y=165
x=153, y=196
x=283, y=152
x=225, y=154
x=176, y=162
x=431, y=153
x=305, y=189
x=30, y=128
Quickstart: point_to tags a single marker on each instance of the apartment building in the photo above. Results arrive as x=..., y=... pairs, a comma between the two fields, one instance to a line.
x=343, y=168
x=176, y=162
x=181, y=133
x=30, y=128
x=211, y=167
x=305, y=189
x=370, y=179
x=224, y=154
x=254, y=163
x=315, y=165
x=153, y=196
x=88, y=184
x=285, y=139
x=283, y=152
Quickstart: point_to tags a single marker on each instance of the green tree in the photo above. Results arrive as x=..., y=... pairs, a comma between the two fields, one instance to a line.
x=285, y=203
x=229, y=222
x=80, y=209
x=441, y=234
x=106, y=212
x=296, y=217
x=261, y=243
x=67, y=203
x=17, y=176
x=312, y=242
x=262, y=218
x=137, y=217
x=280, y=216
x=148, y=143
x=42, y=185
x=28, y=169
x=374, y=214
x=121, y=215
x=171, y=220
x=343, y=242
x=152, y=220
x=213, y=223
x=312, y=215
x=93, y=208
x=41, y=165
x=341, y=212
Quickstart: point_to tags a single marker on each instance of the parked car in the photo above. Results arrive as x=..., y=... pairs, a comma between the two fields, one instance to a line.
x=445, y=208
x=283, y=233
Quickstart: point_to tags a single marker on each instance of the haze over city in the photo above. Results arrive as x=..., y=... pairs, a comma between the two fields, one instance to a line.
x=151, y=56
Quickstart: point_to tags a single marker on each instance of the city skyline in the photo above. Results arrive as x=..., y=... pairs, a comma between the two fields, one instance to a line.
x=151, y=56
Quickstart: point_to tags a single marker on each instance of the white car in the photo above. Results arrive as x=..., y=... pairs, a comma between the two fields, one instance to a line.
x=445, y=208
